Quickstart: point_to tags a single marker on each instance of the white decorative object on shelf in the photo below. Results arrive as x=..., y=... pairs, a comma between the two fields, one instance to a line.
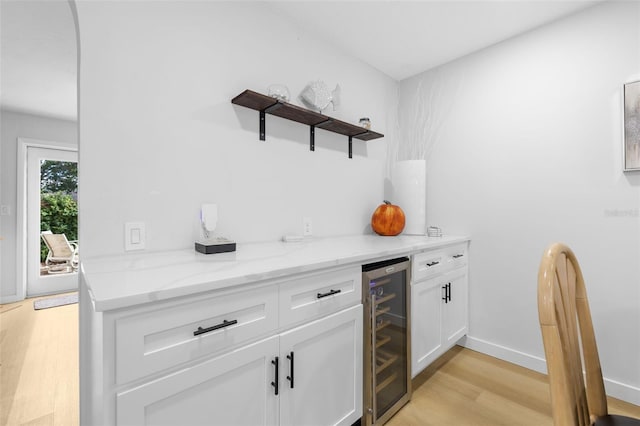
x=317, y=95
x=280, y=92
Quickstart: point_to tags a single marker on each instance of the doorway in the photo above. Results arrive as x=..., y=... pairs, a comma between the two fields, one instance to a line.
x=51, y=207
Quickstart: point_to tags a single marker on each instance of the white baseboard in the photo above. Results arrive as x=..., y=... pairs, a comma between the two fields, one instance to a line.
x=613, y=388
x=622, y=391
x=10, y=299
x=506, y=354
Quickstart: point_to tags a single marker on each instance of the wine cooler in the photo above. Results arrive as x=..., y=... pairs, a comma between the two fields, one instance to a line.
x=387, y=339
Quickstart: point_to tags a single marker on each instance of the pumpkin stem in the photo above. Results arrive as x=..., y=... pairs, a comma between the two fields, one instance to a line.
x=387, y=202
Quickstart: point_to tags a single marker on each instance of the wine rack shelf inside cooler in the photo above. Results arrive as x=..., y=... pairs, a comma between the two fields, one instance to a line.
x=386, y=298
x=382, y=339
x=383, y=360
x=386, y=382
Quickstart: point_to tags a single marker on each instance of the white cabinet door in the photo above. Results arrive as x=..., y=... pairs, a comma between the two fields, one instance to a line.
x=456, y=311
x=233, y=389
x=426, y=322
x=322, y=385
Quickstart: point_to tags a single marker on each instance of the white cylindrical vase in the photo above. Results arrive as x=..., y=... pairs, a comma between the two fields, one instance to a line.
x=410, y=193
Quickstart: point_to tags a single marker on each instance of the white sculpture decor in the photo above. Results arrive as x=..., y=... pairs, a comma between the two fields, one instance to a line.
x=316, y=95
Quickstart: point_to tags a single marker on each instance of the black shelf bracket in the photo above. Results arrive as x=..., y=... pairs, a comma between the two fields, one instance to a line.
x=263, y=113
x=351, y=142
x=262, y=126
x=312, y=138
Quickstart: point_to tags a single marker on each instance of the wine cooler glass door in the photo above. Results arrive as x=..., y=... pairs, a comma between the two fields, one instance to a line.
x=389, y=351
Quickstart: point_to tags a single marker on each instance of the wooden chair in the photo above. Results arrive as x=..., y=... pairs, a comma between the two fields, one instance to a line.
x=61, y=251
x=562, y=299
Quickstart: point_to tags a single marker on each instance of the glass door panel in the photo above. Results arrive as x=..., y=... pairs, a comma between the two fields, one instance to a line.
x=52, y=210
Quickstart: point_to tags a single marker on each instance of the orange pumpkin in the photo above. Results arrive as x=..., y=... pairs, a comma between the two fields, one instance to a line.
x=388, y=219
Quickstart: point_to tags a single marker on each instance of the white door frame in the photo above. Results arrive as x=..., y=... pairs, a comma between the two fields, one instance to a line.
x=21, y=206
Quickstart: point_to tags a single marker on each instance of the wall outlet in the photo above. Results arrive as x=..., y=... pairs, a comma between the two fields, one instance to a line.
x=307, y=226
x=5, y=210
x=134, y=236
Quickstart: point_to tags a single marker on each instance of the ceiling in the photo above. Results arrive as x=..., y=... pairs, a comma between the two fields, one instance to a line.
x=399, y=38
x=38, y=58
x=405, y=38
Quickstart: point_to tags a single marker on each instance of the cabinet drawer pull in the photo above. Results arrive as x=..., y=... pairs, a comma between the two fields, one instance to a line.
x=434, y=263
x=331, y=293
x=276, y=380
x=224, y=324
x=290, y=378
x=456, y=256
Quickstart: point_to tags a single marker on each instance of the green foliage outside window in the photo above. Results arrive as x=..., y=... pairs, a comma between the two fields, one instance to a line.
x=59, y=176
x=58, y=205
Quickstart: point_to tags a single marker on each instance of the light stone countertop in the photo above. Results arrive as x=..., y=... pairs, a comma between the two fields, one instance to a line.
x=127, y=280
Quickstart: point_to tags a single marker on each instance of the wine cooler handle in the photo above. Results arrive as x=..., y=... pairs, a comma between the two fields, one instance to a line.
x=290, y=378
x=275, y=382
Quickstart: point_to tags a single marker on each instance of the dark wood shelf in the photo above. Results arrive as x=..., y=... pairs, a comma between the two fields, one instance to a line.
x=268, y=105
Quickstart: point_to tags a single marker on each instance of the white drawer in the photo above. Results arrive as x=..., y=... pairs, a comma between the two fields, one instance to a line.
x=428, y=264
x=316, y=295
x=152, y=341
x=456, y=256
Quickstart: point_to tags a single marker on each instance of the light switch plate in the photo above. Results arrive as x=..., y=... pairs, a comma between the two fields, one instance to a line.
x=134, y=236
x=307, y=226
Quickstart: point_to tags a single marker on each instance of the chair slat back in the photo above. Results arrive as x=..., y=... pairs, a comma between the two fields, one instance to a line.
x=563, y=309
x=58, y=244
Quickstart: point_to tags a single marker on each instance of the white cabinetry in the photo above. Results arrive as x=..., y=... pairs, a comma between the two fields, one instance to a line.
x=232, y=389
x=282, y=352
x=321, y=381
x=455, y=322
x=439, y=303
x=426, y=323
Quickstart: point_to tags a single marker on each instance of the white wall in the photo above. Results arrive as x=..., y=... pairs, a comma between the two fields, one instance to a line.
x=159, y=135
x=16, y=125
x=523, y=148
x=522, y=143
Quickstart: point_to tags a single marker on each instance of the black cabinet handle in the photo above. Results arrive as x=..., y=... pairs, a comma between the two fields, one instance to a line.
x=331, y=293
x=447, y=293
x=455, y=256
x=290, y=378
x=434, y=263
x=275, y=382
x=223, y=324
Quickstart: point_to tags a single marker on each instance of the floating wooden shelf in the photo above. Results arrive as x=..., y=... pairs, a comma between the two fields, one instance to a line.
x=268, y=105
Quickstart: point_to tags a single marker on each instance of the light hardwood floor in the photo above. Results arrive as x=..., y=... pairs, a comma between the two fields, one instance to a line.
x=39, y=380
x=465, y=387
x=38, y=365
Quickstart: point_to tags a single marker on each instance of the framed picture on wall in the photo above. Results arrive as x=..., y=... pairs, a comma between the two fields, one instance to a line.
x=632, y=126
